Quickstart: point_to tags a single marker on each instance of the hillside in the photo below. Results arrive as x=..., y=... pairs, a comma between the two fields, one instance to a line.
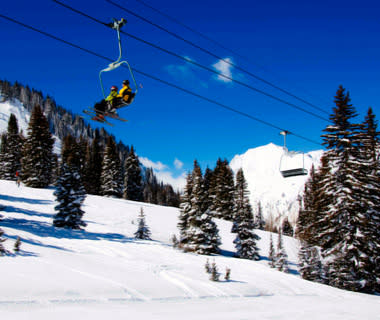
x=277, y=195
x=103, y=271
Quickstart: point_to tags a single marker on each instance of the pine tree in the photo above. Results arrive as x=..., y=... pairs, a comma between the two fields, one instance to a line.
x=37, y=152
x=368, y=197
x=70, y=195
x=69, y=192
x=287, y=229
x=222, y=190
x=150, y=187
x=93, y=166
x=214, y=275
x=281, y=263
x=310, y=266
x=272, y=253
x=344, y=249
x=17, y=245
x=143, y=231
x=207, y=180
x=10, y=157
x=259, y=220
x=245, y=241
x=202, y=233
x=184, y=212
x=133, y=187
x=111, y=178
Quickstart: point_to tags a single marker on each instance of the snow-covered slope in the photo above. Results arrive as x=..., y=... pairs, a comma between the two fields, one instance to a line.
x=15, y=107
x=104, y=272
x=23, y=117
x=277, y=195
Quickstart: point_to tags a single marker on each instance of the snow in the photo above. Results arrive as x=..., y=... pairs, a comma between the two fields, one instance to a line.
x=103, y=271
x=23, y=117
x=278, y=195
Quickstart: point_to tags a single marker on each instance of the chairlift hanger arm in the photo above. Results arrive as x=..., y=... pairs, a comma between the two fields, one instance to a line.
x=116, y=25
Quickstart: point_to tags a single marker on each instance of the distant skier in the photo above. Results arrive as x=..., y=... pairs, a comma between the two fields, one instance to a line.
x=18, y=180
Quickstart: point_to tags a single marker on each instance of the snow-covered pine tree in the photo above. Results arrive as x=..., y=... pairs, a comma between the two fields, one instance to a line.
x=184, y=212
x=245, y=241
x=281, y=263
x=345, y=223
x=37, y=152
x=111, y=177
x=143, y=231
x=70, y=195
x=272, y=253
x=310, y=266
x=10, y=157
x=222, y=190
x=70, y=151
x=368, y=196
x=69, y=192
x=202, y=233
x=207, y=180
x=133, y=186
x=259, y=220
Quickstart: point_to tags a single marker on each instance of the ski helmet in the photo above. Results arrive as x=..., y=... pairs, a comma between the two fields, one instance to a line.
x=113, y=88
x=126, y=82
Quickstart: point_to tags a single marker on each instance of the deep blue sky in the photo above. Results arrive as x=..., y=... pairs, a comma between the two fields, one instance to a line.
x=306, y=47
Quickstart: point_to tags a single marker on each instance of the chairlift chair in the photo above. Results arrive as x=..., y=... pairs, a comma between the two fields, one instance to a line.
x=292, y=172
x=116, y=25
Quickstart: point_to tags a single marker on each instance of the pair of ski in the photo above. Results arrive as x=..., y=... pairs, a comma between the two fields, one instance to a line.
x=95, y=116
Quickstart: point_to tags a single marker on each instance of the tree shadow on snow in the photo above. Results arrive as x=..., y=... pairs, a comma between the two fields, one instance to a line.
x=11, y=209
x=34, y=243
x=44, y=229
x=26, y=200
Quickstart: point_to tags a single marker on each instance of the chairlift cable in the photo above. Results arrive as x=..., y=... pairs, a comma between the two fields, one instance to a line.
x=199, y=65
x=267, y=123
x=217, y=43
x=216, y=56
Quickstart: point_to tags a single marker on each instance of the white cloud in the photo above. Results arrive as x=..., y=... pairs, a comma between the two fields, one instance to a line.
x=178, y=183
x=224, y=67
x=178, y=164
x=164, y=174
x=154, y=165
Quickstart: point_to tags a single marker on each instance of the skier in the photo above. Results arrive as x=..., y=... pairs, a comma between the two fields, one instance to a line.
x=18, y=179
x=126, y=95
x=107, y=104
